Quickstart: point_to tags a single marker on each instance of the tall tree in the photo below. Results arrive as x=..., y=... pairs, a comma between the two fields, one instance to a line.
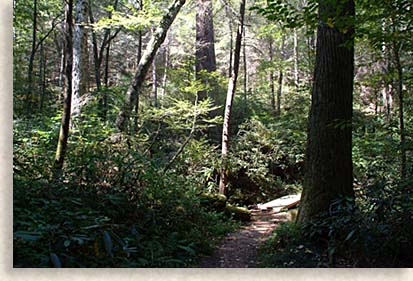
x=77, y=58
x=65, y=123
x=205, y=60
x=145, y=62
x=204, y=46
x=230, y=97
x=328, y=162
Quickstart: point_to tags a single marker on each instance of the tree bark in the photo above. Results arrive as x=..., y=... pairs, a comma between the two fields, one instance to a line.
x=205, y=60
x=328, y=163
x=230, y=97
x=155, y=42
x=65, y=123
x=204, y=46
x=244, y=57
x=154, y=83
x=77, y=59
x=139, y=56
x=84, y=82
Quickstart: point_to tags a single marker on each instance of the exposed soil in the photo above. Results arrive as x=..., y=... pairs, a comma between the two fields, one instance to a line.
x=240, y=249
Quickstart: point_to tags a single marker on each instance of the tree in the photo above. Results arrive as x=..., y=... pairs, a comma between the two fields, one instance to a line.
x=328, y=162
x=77, y=58
x=230, y=97
x=65, y=123
x=205, y=61
x=145, y=62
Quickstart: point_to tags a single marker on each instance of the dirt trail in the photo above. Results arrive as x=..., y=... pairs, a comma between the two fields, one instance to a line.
x=240, y=249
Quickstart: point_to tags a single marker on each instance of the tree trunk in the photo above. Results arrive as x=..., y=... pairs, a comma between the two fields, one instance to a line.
x=139, y=56
x=328, y=163
x=230, y=97
x=205, y=60
x=84, y=82
x=62, y=67
x=156, y=40
x=279, y=91
x=204, y=45
x=231, y=43
x=399, y=69
x=97, y=59
x=64, y=127
x=31, y=59
x=154, y=83
x=77, y=59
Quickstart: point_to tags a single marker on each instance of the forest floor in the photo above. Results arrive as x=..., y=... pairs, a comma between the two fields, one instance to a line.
x=240, y=248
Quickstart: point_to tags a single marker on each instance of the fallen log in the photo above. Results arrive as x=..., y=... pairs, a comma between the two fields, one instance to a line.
x=238, y=213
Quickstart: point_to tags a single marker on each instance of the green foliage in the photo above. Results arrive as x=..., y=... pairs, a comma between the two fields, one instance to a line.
x=289, y=14
x=162, y=226
x=378, y=233
x=114, y=206
x=266, y=159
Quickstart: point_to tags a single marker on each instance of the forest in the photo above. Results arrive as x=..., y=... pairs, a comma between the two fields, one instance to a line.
x=212, y=133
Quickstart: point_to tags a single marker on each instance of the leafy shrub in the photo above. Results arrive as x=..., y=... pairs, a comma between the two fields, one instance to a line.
x=265, y=160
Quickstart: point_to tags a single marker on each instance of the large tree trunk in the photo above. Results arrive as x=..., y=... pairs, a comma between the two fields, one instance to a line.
x=328, y=163
x=77, y=59
x=204, y=45
x=156, y=40
x=230, y=97
x=205, y=60
x=64, y=127
x=84, y=83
